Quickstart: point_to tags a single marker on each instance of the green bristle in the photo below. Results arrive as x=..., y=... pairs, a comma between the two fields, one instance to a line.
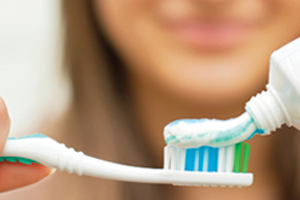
x=246, y=158
x=237, y=157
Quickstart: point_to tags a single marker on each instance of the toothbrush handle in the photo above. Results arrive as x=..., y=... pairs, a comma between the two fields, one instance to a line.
x=48, y=152
x=45, y=151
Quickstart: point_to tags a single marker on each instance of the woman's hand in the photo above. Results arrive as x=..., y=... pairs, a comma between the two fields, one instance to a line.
x=15, y=175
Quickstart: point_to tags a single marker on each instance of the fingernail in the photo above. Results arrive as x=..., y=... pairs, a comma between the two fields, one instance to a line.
x=52, y=171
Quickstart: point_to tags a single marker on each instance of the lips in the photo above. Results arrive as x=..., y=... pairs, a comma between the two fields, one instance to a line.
x=210, y=34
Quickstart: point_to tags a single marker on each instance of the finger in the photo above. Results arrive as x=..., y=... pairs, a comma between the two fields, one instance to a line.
x=4, y=124
x=16, y=175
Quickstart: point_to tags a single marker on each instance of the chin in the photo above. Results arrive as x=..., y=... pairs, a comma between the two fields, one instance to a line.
x=216, y=99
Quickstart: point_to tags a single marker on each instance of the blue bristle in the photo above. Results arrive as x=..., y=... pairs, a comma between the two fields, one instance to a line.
x=212, y=159
x=190, y=159
x=191, y=154
x=201, y=156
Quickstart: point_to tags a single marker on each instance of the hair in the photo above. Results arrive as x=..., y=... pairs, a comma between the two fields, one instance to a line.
x=101, y=112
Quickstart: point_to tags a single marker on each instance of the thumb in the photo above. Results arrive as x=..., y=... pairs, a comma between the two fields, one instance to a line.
x=15, y=175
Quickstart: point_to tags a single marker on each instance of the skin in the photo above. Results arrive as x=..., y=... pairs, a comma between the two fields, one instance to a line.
x=173, y=76
x=183, y=63
x=15, y=175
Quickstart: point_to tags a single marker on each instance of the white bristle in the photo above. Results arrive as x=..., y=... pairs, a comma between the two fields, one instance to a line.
x=167, y=157
x=177, y=158
x=173, y=158
x=182, y=159
x=229, y=158
x=221, y=159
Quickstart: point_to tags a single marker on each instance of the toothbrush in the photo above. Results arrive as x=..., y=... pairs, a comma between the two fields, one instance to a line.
x=46, y=151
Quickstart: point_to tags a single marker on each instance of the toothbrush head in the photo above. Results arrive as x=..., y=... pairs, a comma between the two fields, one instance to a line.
x=215, y=166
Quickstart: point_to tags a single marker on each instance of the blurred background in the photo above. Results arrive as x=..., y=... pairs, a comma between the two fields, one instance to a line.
x=30, y=62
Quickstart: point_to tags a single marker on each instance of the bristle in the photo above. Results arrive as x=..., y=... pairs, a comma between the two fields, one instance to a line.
x=223, y=163
x=167, y=157
x=205, y=159
x=177, y=161
x=182, y=159
x=200, y=158
x=173, y=158
x=237, y=157
x=246, y=158
x=197, y=159
x=212, y=159
x=208, y=159
x=222, y=159
x=229, y=158
x=190, y=159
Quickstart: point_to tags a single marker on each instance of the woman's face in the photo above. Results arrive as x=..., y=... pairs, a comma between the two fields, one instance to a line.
x=206, y=51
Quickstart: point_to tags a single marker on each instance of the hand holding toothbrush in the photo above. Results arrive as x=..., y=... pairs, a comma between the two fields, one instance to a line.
x=15, y=175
